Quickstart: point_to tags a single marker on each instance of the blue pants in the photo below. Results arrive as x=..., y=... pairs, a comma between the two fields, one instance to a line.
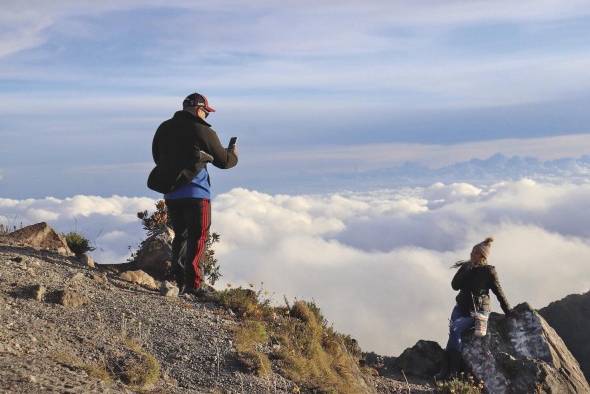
x=459, y=323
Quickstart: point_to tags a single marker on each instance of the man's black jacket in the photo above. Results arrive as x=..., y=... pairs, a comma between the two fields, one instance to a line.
x=176, y=148
x=474, y=283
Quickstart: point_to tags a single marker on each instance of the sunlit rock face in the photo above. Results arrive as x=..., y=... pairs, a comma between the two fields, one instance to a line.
x=523, y=354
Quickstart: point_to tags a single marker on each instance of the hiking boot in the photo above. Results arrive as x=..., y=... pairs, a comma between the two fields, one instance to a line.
x=206, y=293
x=186, y=291
x=203, y=293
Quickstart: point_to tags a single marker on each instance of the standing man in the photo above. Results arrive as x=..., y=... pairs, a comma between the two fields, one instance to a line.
x=181, y=148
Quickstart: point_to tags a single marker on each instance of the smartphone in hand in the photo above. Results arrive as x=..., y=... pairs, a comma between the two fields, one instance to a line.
x=232, y=142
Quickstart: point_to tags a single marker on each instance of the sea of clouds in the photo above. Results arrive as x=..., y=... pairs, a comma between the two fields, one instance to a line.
x=377, y=262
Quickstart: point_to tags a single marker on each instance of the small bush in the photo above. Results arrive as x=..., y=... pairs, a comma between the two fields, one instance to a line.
x=139, y=369
x=78, y=243
x=155, y=222
x=245, y=303
x=211, y=265
x=461, y=385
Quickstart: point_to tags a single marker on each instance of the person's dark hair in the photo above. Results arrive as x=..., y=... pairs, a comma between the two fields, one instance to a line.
x=460, y=263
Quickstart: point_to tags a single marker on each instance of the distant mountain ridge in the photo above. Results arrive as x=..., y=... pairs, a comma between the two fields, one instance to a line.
x=498, y=167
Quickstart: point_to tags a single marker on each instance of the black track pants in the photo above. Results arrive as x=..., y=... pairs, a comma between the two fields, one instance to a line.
x=191, y=219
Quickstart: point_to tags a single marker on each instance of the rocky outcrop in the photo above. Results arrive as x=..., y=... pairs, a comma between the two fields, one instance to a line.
x=570, y=317
x=424, y=359
x=84, y=346
x=523, y=354
x=155, y=253
x=41, y=236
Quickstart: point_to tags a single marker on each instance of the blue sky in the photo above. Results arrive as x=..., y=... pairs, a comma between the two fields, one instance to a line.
x=84, y=85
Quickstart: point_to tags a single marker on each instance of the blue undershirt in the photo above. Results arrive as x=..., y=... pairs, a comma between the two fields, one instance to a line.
x=199, y=187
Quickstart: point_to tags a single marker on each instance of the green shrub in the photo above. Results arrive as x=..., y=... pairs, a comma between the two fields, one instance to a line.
x=244, y=303
x=78, y=243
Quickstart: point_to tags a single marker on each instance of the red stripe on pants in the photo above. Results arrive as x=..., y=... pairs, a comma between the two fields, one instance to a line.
x=201, y=243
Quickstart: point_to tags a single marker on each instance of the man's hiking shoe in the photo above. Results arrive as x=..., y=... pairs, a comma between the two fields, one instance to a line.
x=205, y=293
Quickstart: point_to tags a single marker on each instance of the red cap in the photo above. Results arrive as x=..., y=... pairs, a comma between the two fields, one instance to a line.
x=197, y=100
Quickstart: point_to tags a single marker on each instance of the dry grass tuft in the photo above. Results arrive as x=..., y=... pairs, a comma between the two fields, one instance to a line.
x=138, y=368
x=249, y=337
x=307, y=351
x=245, y=303
x=130, y=363
x=313, y=354
x=98, y=370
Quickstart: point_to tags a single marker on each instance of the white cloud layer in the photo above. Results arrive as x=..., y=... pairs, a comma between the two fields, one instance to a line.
x=377, y=263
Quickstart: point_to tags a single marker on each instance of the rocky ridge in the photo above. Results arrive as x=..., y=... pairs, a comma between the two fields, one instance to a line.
x=75, y=327
x=72, y=329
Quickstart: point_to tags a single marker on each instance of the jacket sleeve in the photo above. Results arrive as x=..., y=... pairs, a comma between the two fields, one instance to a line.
x=459, y=279
x=222, y=157
x=497, y=290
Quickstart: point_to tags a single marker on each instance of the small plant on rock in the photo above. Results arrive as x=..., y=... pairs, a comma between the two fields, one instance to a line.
x=155, y=222
x=78, y=243
x=461, y=385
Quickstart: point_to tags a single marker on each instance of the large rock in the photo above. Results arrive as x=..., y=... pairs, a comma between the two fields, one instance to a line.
x=168, y=289
x=523, y=354
x=570, y=317
x=155, y=253
x=423, y=359
x=86, y=260
x=139, y=277
x=71, y=298
x=41, y=236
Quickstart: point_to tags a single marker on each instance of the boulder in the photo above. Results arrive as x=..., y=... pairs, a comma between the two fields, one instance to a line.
x=37, y=292
x=71, y=298
x=424, y=359
x=155, y=254
x=139, y=277
x=168, y=289
x=570, y=317
x=86, y=260
x=100, y=278
x=384, y=365
x=522, y=354
x=41, y=236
